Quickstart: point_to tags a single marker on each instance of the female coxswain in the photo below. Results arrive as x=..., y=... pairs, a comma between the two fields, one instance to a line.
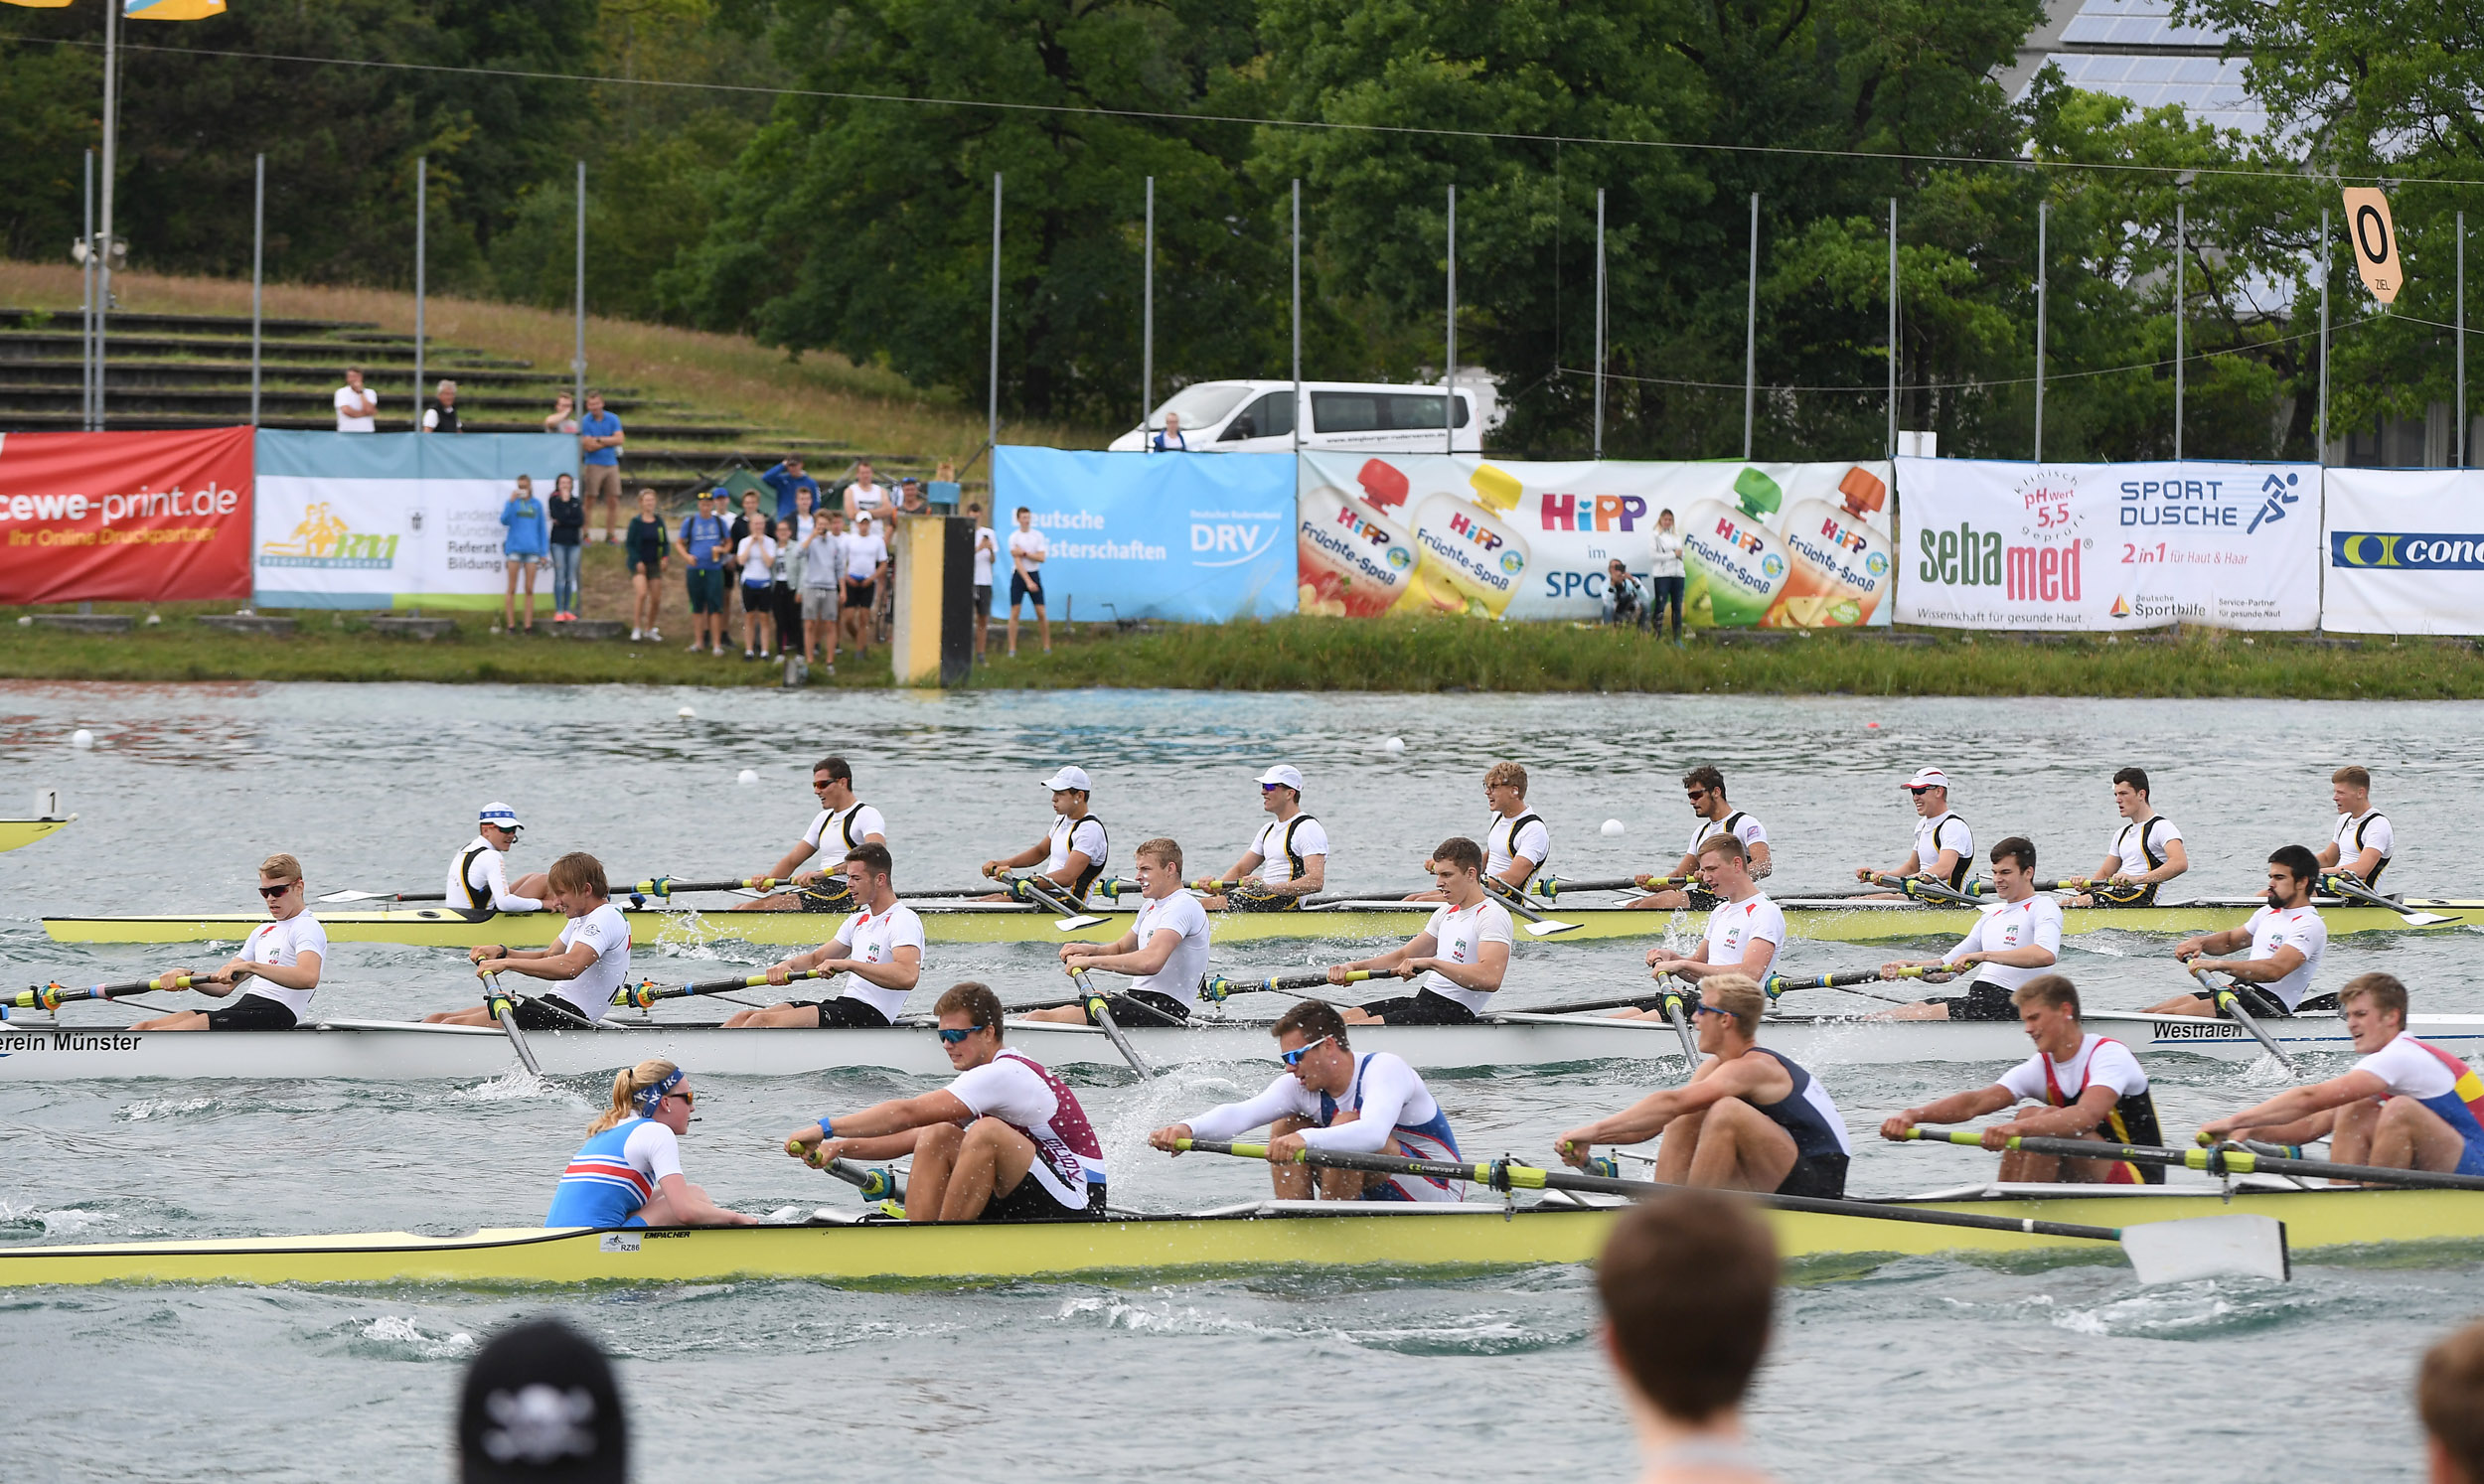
x=628, y=1173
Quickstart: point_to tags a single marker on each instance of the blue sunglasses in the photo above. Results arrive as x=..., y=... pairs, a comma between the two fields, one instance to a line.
x=953, y=1037
x=1714, y=1010
x=1294, y=1058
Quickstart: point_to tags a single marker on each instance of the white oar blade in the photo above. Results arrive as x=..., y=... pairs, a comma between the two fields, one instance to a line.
x=1073, y=924
x=350, y=896
x=1548, y=926
x=2179, y=1252
x=2423, y=919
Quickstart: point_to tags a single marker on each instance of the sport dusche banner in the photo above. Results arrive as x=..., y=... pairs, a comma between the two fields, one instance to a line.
x=125, y=516
x=2103, y=547
x=2406, y=552
x=1776, y=546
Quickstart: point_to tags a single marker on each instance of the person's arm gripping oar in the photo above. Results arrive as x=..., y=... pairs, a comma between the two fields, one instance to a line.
x=49, y=997
x=1217, y=988
x=2224, y=998
x=1777, y=983
x=505, y=1011
x=1102, y=1014
x=1538, y=924
x=1924, y=889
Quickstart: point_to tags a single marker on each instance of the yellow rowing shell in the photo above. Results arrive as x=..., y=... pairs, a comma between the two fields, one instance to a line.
x=1273, y=1235
x=17, y=833
x=1852, y=922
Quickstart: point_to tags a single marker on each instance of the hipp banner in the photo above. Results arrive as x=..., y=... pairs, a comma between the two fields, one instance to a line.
x=391, y=520
x=2405, y=549
x=1199, y=538
x=2101, y=547
x=125, y=516
x=1793, y=545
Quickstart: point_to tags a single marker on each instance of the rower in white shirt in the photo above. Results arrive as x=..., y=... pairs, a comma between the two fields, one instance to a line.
x=585, y=966
x=1164, y=952
x=843, y=823
x=478, y=880
x=1944, y=848
x=2286, y=938
x=1289, y=858
x=2009, y=944
x=1073, y=852
x=1704, y=787
x=2146, y=852
x=1328, y=1097
x=2362, y=842
x=1515, y=841
x=279, y=962
x=1744, y=931
x=879, y=951
x=1463, y=953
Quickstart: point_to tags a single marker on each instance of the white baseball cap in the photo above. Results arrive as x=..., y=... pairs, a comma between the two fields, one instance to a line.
x=1069, y=778
x=1284, y=773
x=499, y=814
x=1928, y=778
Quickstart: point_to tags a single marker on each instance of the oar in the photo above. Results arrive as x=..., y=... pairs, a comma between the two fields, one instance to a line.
x=1215, y=988
x=1538, y=924
x=1102, y=1015
x=1777, y=983
x=1681, y=1026
x=1071, y=919
x=666, y=886
x=642, y=994
x=875, y=1183
x=350, y=895
x=2216, y=1160
x=53, y=996
x=1924, y=890
x=2161, y=1251
x=2224, y=998
x=1550, y=887
x=2341, y=884
x=505, y=1011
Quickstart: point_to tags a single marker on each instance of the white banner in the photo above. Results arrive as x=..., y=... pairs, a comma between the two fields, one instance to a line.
x=2406, y=552
x=2089, y=546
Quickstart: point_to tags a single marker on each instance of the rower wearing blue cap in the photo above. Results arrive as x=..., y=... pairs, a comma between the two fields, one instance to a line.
x=478, y=880
x=628, y=1173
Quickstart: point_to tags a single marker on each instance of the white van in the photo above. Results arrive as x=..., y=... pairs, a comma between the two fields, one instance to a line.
x=1260, y=416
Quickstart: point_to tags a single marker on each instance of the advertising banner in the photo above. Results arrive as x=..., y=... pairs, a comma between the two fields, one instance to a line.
x=1781, y=546
x=391, y=520
x=2101, y=547
x=1196, y=537
x=2405, y=550
x=125, y=516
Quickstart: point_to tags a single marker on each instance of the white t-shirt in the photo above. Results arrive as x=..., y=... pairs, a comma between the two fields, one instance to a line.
x=282, y=943
x=1086, y=835
x=1459, y=934
x=1024, y=543
x=1747, y=828
x=876, y=939
x=2298, y=927
x=1180, y=913
x=2130, y=842
x=2034, y=923
x=1734, y=927
x=1393, y=1110
x=839, y=831
x=2410, y=1069
x=985, y=555
x=863, y=554
x=1946, y=832
x=758, y=557
x=653, y=1152
x=1505, y=839
x=867, y=497
x=2377, y=835
x=346, y=397
x=608, y=933
x=480, y=875
x=1308, y=838
x=1013, y=1089
x=2099, y=1062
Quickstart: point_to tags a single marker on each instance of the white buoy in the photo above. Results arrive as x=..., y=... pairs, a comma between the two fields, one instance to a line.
x=1394, y=744
x=1612, y=827
x=748, y=776
x=686, y=713
x=26, y=620
x=81, y=739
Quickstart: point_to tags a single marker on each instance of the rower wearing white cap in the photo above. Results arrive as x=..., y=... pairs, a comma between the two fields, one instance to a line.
x=1944, y=848
x=1289, y=858
x=478, y=880
x=1073, y=853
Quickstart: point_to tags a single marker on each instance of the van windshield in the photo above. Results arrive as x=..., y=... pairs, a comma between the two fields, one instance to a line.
x=1378, y=413
x=1203, y=406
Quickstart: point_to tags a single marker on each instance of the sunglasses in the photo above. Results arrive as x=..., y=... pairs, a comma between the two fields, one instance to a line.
x=1920, y=793
x=688, y=1097
x=272, y=893
x=951, y=1036
x=1694, y=794
x=1714, y=1010
x=1270, y=788
x=1294, y=1058
x=822, y=785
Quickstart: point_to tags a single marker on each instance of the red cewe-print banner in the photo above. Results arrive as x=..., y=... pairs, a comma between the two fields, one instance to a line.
x=124, y=517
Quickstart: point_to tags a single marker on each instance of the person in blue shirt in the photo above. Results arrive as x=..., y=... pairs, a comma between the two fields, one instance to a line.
x=628, y=1173
x=600, y=463
x=702, y=546
x=525, y=548
x=785, y=479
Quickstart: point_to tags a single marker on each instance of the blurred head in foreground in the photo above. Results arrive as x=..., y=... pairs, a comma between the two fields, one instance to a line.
x=541, y=1407
x=1688, y=1282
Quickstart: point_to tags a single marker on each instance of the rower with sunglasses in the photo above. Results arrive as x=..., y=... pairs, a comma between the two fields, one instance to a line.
x=1704, y=787
x=281, y=957
x=1944, y=848
x=845, y=823
x=478, y=880
x=628, y=1173
x=1750, y=1118
x=1328, y=1097
x=1289, y=858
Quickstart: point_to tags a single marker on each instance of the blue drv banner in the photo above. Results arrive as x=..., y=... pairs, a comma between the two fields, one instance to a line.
x=1199, y=538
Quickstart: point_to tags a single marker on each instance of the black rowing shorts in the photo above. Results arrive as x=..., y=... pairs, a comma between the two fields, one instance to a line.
x=252, y=1013
x=548, y=1014
x=2106, y=894
x=1144, y=1007
x=830, y=894
x=1821, y=1176
x=1031, y=1202
x=1428, y=1007
x=1240, y=898
x=845, y=1012
x=2263, y=1005
x=1981, y=1001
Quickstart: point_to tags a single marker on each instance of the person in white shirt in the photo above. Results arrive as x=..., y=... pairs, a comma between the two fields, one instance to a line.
x=1515, y=841
x=1704, y=787
x=879, y=950
x=865, y=495
x=987, y=552
x=866, y=555
x=2362, y=842
x=843, y=823
x=478, y=879
x=1289, y=858
x=1462, y=954
x=1073, y=852
x=357, y=410
x=2146, y=852
x=2286, y=938
x=2009, y=944
x=1328, y=1097
x=1665, y=575
x=1165, y=952
x=824, y=561
x=2091, y=1088
x=441, y=416
x=757, y=556
x=1944, y=848
x=280, y=960
x=585, y=966
x=1744, y=929
x=1028, y=550
x=1169, y=439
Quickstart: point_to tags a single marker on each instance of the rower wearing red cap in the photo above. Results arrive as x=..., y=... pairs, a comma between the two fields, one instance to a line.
x=1944, y=848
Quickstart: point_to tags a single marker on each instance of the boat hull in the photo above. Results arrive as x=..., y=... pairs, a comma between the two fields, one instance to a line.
x=15, y=833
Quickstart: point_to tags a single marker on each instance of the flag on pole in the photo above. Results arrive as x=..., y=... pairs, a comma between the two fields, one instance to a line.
x=171, y=10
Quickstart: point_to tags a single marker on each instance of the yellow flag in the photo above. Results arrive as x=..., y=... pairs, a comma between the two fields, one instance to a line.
x=172, y=10
x=37, y=4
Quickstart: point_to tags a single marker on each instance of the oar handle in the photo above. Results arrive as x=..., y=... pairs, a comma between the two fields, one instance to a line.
x=1777, y=983
x=53, y=995
x=2224, y=998
x=1923, y=890
x=1550, y=888
x=875, y=1183
x=1216, y=989
x=646, y=992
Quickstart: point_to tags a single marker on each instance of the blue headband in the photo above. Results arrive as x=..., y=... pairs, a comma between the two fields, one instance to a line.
x=650, y=1099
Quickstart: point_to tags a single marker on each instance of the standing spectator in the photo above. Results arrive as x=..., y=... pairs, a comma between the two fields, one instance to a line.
x=440, y=416
x=945, y=491
x=599, y=462
x=1664, y=575
x=823, y=581
x=866, y=555
x=569, y=514
x=1625, y=598
x=863, y=496
x=986, y=551
x=750, y=520
x=787, y=479
x=702, y=546
x=910, y=501
x=757, y=554
x=792, y=532
x=1170, y=440
x=645, y=552
x=357, y=411
x=562, y=418
x=522, y=549
x=1028, y=550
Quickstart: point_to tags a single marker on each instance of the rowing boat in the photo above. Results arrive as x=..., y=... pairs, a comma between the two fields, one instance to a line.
x=1822, y=919
x=1481, y=1234
x=17, y=833
x=388, y=1050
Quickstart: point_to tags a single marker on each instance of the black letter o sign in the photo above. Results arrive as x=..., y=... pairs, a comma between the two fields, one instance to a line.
x=2368, y=224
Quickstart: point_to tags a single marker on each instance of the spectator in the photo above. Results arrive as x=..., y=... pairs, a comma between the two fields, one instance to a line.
x=910, y=501
x=863, y=495
x=569, y=514
x=1664, y=575
x=749, y=519
x=2449, y=1396
x=823, y=579
x=357, y=411
x=440, y=416
x=986, y=551
x=599, y=462
x=867, y=557
x=945, y=491
x=1027, y=549
x=1688, y=1282
x=1625, y=600
x=701, y=544
x=522, y=549
x=540, y=1403
x=787, y=479
x=757, y=554
x=792, y=532
x=562, y=418
x=645, y=552
x=1169, y=440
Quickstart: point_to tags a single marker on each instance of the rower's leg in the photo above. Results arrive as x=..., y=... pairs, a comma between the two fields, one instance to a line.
x=2412, y=1137
x=1347, y=1185
x=1058, y=1014
x=2351, y=1135
x=1356, y=1015
x=533, y=884
x=1679, y=1143
x=783, y=901
x=1292, y=1182
x=1741, y=1148
x=2018, y=1167
x=784, y=1016
x=927, y=1180
x=991, y=1158
x=473, y=1015
x=177, y=1020
x=659, y=1212
x=1921, y=1010
x=2183, y=1004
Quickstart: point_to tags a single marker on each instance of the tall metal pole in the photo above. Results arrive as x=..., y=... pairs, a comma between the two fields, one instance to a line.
x=2043, y=212
x=1449, y=377
x=2459, y=435
x=422, y=221
x=258, y=263
x=2179, y=233
x=578, y=360
x=87, y=312
x=1599, y=380
x=992, y=410
x=1751, y=333
x=1892, y=327
x=1146, y=322
x=111, y=156
x=2320, y=417
x=1298, y=315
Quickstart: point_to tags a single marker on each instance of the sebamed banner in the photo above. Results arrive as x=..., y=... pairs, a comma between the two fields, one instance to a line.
x=1781, y=546
x=2101, y=547
x=2406, y=552
x=391, y=520
x=125, y=516
x=1187, y=536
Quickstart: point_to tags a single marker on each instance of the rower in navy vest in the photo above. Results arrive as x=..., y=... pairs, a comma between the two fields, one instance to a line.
x=478, y=880
x=1750, y=1118
x=2145, y=853
x=628, y=1173
x=844, y=824
x=2363, y=843
x=1075, y=853
x=1704, y=787
x=1287, y=859
x=2090, y=1088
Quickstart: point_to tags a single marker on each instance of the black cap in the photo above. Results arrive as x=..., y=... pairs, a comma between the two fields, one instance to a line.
x=540, y=1406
